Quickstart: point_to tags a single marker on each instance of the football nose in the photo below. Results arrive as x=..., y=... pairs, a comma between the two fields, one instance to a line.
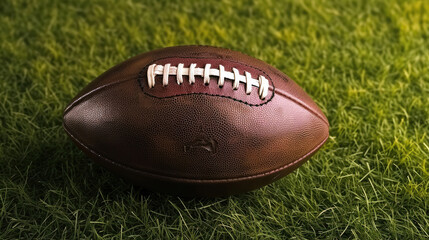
x=81, y=118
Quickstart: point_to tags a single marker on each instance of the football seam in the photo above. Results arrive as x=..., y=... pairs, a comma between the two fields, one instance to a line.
x=193, y=180
x=139, y=79
x=274, y=90
x=93, y=91
x=304, y=105
x=141, y=74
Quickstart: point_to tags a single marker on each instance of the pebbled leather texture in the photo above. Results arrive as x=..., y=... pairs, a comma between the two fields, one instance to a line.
x=195, y=140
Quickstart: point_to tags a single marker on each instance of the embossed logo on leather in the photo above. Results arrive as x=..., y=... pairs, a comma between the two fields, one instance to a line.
x=202, y=142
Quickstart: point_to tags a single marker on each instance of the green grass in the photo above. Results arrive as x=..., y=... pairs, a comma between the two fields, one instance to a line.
x=366, y=63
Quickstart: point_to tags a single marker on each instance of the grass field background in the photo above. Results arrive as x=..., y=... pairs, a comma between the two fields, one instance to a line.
x=366, y=63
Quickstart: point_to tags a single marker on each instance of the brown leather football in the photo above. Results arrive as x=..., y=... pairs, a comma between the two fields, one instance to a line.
x=196, y=121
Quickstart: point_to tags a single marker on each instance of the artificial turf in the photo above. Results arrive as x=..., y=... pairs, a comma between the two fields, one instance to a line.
x=366, y=63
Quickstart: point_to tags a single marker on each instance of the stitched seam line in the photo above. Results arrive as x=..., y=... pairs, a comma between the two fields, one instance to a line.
x=303, y=105
x=167, y=70
x=191, y=180
x=143, y=71
x=93, y=91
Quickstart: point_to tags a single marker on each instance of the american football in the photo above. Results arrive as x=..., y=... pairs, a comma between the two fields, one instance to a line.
x=196, y=121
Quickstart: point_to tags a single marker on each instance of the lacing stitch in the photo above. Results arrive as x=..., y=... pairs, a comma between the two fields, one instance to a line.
x=179, y=71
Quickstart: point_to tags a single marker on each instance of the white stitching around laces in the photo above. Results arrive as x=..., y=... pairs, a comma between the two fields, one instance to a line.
x=167, y=70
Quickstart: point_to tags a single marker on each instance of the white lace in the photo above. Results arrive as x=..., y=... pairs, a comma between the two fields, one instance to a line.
x=167, y=70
